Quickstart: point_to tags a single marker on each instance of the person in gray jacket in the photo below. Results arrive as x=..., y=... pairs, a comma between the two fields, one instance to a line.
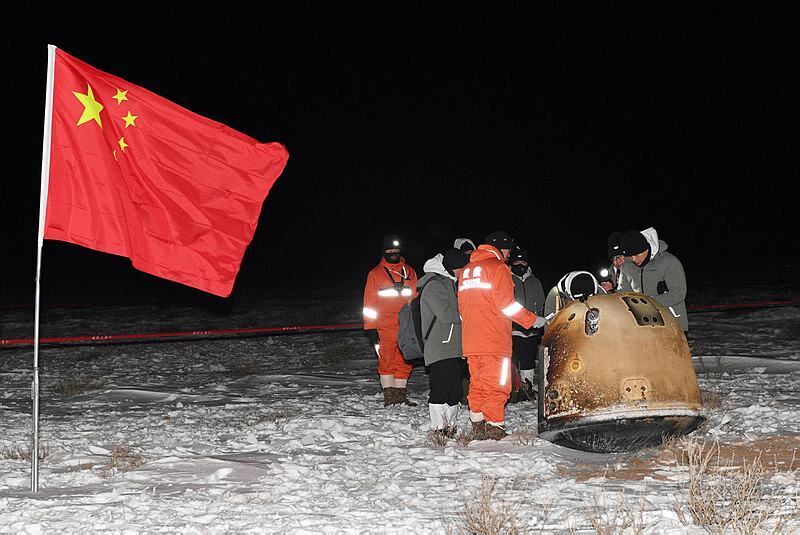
x=529, y=293
x=655, y=272
x=442, y=323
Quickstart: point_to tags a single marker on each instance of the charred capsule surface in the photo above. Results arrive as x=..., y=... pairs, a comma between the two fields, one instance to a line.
x=616, y=375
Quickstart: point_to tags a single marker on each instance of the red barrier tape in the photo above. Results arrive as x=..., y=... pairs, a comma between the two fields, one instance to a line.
x=298, y=329
x=209, y=333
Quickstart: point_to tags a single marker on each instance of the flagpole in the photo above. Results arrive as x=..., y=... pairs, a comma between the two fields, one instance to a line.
x=46, y=142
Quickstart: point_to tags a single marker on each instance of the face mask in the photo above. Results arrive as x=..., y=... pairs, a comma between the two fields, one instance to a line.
x=518, y=269
x=392, y=258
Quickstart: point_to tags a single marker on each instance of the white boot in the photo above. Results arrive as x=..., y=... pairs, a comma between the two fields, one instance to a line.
x=438, y=415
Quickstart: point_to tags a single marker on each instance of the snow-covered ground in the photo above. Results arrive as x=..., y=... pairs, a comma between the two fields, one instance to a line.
x=289, y=434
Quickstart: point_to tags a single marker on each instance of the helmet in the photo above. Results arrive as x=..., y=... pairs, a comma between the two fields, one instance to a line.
x=499, y=239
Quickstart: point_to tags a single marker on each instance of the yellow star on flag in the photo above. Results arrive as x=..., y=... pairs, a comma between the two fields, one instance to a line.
x=121, y=95
x=91, y=108
x=129, y=119
x=122, y=144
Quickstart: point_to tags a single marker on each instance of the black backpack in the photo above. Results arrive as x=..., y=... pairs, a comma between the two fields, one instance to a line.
x=409, y=335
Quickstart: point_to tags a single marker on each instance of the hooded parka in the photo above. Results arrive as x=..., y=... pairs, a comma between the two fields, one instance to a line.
x=662, y=278
x=439, y=300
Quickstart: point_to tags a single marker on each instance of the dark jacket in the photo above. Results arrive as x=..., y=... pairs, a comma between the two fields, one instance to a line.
x=529, y=293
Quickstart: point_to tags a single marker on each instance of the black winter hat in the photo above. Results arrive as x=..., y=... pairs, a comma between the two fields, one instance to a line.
x=454, y=259
x=518, y=253
x=615, y=247
x=391, y=241
x=634, y=243
x=500, y=239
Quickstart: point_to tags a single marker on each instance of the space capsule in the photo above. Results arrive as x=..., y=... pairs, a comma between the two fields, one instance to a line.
x=615, y=374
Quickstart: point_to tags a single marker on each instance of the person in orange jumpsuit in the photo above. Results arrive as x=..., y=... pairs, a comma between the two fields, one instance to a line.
x=390, y=285
x=487, y=306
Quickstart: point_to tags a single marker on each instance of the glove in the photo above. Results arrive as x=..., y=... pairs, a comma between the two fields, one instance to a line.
x=539, y=323
x=374, y=339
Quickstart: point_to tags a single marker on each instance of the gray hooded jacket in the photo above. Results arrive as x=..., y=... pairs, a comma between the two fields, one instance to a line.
x=439, y=299
x=662, y=278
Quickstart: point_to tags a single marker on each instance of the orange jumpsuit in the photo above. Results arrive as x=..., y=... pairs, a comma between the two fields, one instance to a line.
x=487, y=306
x=389, y=287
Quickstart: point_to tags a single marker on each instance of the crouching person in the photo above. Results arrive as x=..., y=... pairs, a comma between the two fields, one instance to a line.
x=574, y=286
x=441, y=330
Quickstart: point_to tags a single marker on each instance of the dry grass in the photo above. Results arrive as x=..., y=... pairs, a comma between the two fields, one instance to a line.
x=465, y=437
x=280, y=418
x=437, y=439
x=618, y=517
x=483, y=515
x=76, y=385
x=670, y=442
x=121, y=459
x=730, y=495
x=524, y=436
x=25, y=454
x=712, y=400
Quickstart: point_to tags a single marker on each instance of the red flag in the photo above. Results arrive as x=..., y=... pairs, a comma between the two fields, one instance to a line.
x=136, y=175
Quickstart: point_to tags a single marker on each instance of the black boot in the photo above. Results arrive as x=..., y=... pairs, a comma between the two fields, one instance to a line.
x=479, y=430
x=495, y=432
x=390, y=396
x=401, y=397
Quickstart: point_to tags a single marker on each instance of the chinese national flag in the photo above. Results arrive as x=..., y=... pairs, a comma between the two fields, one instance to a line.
x=135, y=175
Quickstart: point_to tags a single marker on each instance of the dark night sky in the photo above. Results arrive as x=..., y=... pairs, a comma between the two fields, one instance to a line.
x=558, y=124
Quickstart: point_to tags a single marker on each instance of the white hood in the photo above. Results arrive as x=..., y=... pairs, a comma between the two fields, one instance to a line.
x=435, y=265
x=566, y=282
x=651, y=236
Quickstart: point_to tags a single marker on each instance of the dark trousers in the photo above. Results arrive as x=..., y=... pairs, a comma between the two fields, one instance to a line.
x=445, y=378
x=525, y=351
